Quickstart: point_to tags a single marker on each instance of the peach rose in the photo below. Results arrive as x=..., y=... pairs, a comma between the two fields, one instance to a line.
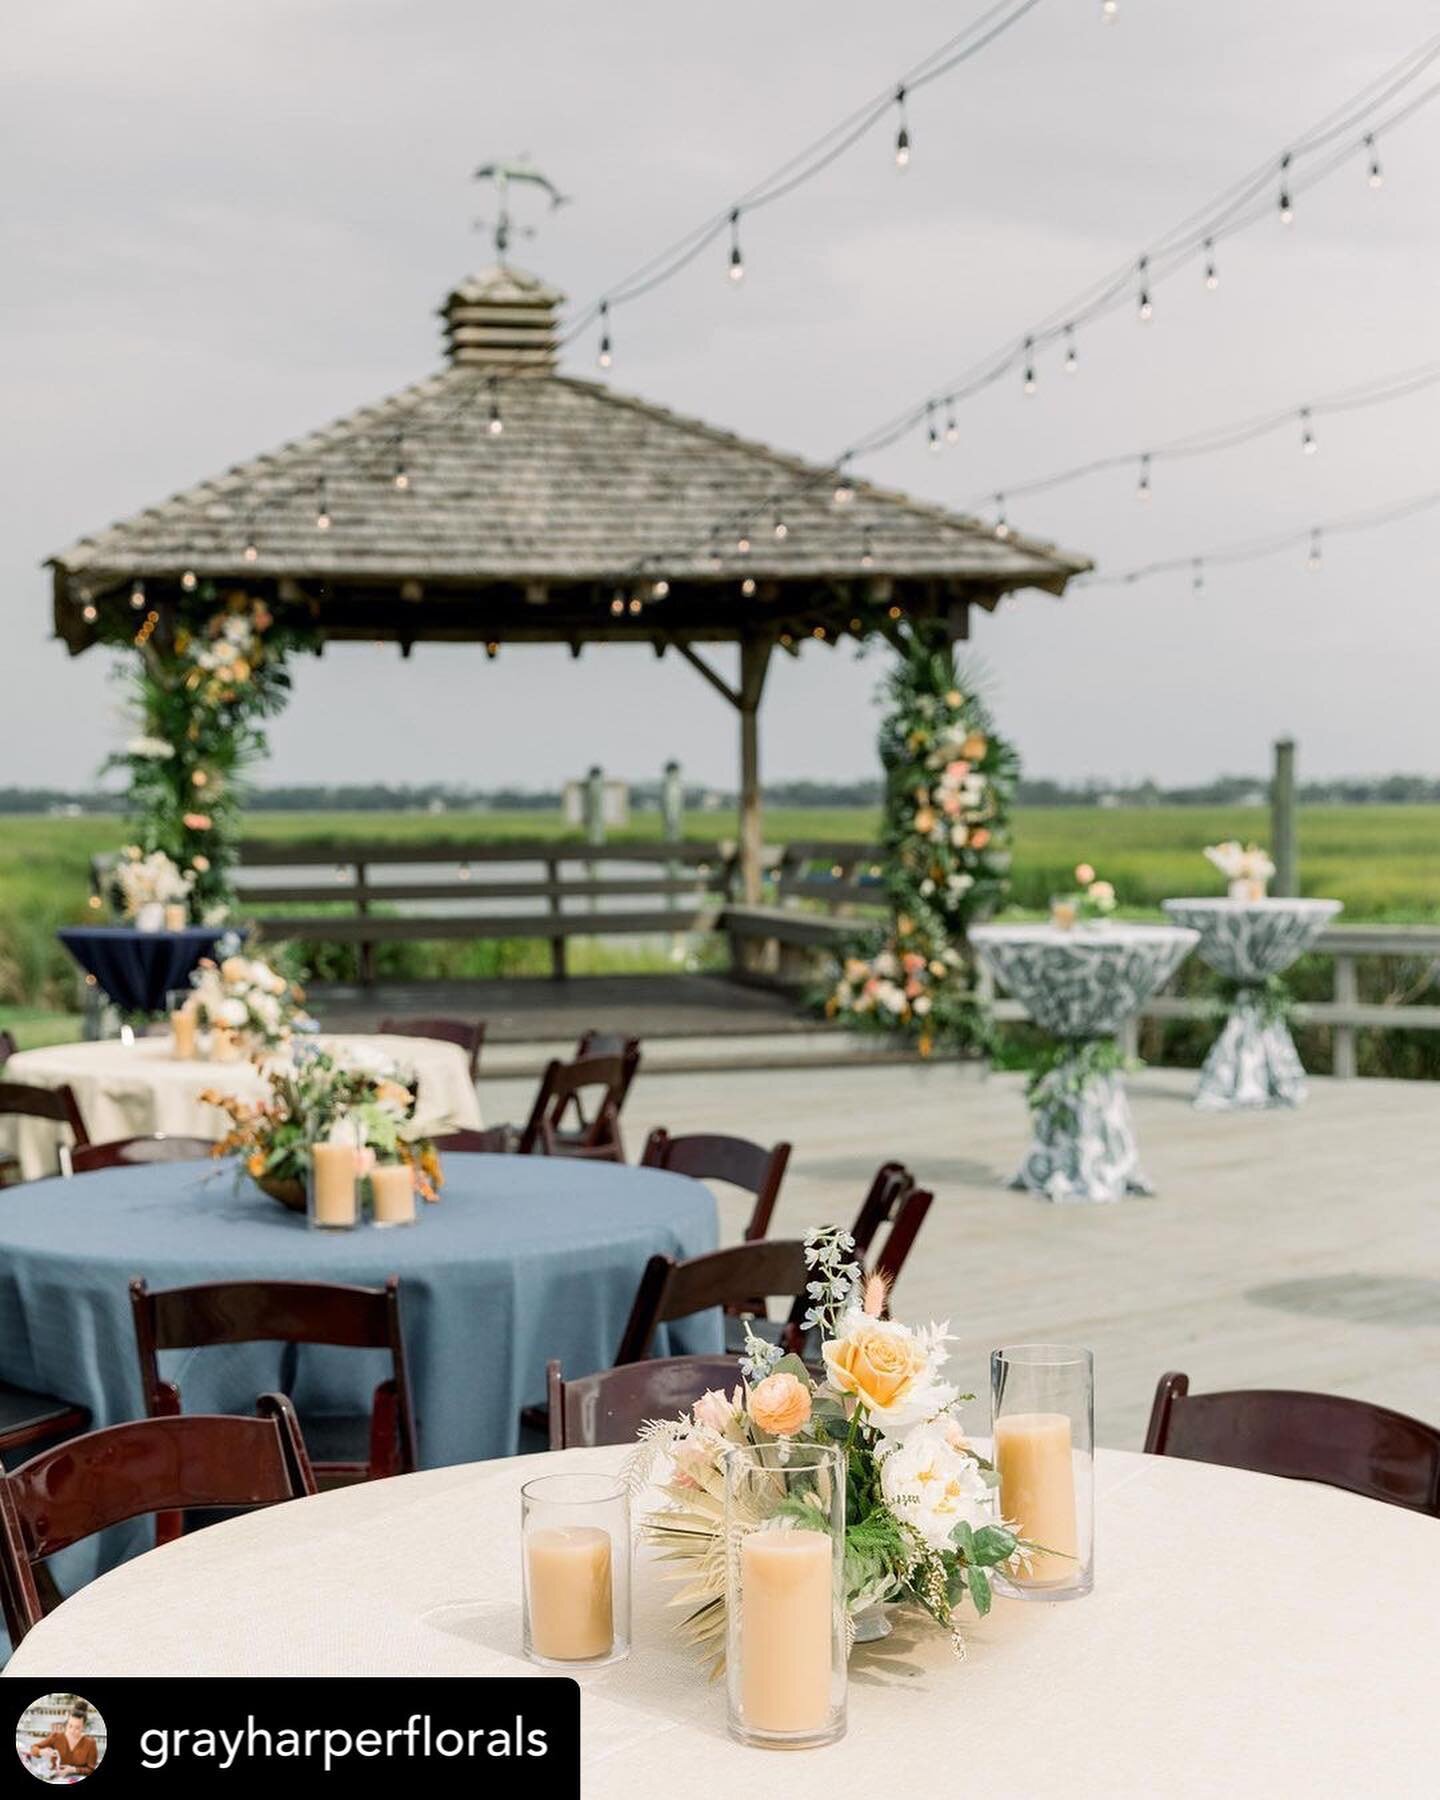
x=715, y=1410
x=878, y=1363
x=979, y=838
x=1084, y=874
x=780, y=1405
x=975, y=746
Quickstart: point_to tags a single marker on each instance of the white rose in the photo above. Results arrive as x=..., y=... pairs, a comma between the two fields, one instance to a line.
x=233, y=1013
x=933, y=1485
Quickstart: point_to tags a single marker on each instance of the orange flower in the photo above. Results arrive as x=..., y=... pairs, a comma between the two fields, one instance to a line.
x=780, y=1405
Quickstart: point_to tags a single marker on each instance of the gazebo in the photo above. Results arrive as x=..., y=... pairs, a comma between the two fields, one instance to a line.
x=501, y=502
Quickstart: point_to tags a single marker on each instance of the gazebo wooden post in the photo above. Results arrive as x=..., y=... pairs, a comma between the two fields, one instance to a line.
x=754, y=664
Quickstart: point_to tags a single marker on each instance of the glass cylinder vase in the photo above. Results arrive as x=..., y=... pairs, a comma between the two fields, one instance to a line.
x=785, y=1594
x=332, y=1187
x=1042, y=1409
x=575, y=1544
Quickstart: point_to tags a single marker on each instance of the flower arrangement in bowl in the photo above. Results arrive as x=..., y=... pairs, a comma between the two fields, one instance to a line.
x=314, y=1099
x=1091, y=903
x=246, y=997
x=1246, y=867
x=922, y=1524
x=143, y=887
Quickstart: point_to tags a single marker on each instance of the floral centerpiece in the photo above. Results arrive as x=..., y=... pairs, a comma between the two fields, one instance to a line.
x=246, y=996
x=315, y=1099
x=1091, y=902
x=1246, y=867
x=922, y=1524
x=143, y=886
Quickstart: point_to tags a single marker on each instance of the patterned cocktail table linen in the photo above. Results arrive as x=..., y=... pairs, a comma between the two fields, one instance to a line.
x=1081, y=986
x=1253, y=1062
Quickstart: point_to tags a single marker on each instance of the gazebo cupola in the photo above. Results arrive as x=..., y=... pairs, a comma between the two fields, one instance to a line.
x=503, y=320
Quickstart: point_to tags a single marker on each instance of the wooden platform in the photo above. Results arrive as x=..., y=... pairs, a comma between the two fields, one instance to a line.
x=1282, y=1249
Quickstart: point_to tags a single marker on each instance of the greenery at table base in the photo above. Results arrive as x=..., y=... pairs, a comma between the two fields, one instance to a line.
x=949, y=780
x=922, y=1524
x=205, y=678
x=1084, y=1144
x=1253, y=1062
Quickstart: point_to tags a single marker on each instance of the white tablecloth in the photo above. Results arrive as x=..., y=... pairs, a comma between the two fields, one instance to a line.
x=131, y=1090
x=1246, y=1637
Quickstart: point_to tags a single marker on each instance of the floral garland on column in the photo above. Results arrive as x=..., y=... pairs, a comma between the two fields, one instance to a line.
x=949, y=781
x=203, y=683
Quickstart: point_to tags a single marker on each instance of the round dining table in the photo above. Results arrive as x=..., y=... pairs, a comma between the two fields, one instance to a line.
x=138, y=1088
x=522, y=1258
x=1220, y=1652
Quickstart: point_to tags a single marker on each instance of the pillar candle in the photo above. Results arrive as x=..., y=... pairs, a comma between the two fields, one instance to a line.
x=392, y=1188
x=333, y=1175
x=177, y=917
x=786, y=1629
x=182, y=1031
x=1037, y=1490
x=572, y=1615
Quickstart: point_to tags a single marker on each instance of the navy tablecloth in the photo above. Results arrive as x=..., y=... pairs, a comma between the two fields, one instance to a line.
x=522, y=1259
x=137, y=969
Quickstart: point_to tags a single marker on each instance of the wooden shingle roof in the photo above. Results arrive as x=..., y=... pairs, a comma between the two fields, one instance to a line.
x=502, y=499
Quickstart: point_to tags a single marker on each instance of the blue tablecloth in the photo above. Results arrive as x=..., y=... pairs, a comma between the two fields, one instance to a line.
x=137, y=969
x=522, y=1259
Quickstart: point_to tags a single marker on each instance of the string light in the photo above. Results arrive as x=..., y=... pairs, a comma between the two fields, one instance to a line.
x=1308, y=445
x=617, y=605
x=1197, y=578
x=322, y=509
x=1002, y=524
x=1287, y=205
x=1212, y=273
x=1377, y=174
x=659, y=589
x=1072, y=361
x=497, y=424
x=89, y=613
x=1312, y=560
x=844, y=488
x=251, y=552
x=137, y=595
x=742, y=544
x=1029, y=365
x=401, y=477
x=1142, y=490
x=492, y=650
x=902, y=137
x=952, y=428
x=1110, y=11
x=604, y=358
x=867, y=550
x=747, y=587
x=737, y=261
x=637, y=605
x=931, y=430
x=188, y=581
x=1146, y=309
x=782, y=530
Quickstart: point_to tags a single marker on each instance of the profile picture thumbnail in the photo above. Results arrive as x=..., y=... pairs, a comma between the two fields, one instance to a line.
x=60, y=1739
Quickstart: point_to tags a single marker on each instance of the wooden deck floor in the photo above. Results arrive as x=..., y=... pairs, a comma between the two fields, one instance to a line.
x=1281, y=1249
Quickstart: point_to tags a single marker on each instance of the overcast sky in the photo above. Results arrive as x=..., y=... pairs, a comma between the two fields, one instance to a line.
x=228, y=223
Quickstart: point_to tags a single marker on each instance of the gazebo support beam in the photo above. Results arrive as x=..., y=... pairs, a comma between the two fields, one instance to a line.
x=754, y=663
x=718, y=682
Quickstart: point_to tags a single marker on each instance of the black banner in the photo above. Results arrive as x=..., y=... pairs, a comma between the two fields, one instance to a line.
x=287, y=1735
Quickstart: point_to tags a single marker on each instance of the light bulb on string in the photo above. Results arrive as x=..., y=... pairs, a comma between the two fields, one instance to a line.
x=496, y=424
x=1212, y=273
x=902, y=137
x=89, y=612
x=844, y=487
x=1002, y=524
x=1197, y=578
x=659, y=589
x=747, y=587
x=322, y=509
x=742, y=544
x=1146, y=309
x=1312, y=560
x=1029, y=381
x=781, y=529
x=1142, y=487
x=604, y=358
x=1287, y=205
x=189, y=581
x=1072, y=361
x=1109, y=11
x=637, y=605
x=867, y=550
x=931, y=432
x=617, y=605
x=1376, y=175
x=1308, y=445
x=737, y=262
x=952, y=430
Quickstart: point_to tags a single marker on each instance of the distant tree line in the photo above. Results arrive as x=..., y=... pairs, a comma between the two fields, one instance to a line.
x=1224, y=790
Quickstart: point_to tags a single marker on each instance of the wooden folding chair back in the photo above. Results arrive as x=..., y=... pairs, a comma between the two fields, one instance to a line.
x=286, y=1312
x=28, y=1100
x=120, y=1153
x=577, y=1110
x=896, y=1201
x=713, y=1156
x=467, y=1034
x=612, y=1043
x=1343, y=1443
x=610, y=1408
x=731, y=1278
x=103, y=1478
x=494, y=1140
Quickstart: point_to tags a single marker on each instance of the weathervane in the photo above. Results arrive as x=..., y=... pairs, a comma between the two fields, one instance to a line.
x=502, y=174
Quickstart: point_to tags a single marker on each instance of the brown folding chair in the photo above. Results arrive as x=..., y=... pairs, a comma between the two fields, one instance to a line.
x=121, y=1153
x=468, y=1034
x=202, y=1462
x=22, y=1099
x=291, y=1312
x=610, y=1408
x=712, y=1156
x=1344, y=1443
x=896, y=1201
x=27, y=1418
x=611, y=1043
x=496, y=1140
x=8, y=1047
x=564, y=1095
x=733, y=1277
